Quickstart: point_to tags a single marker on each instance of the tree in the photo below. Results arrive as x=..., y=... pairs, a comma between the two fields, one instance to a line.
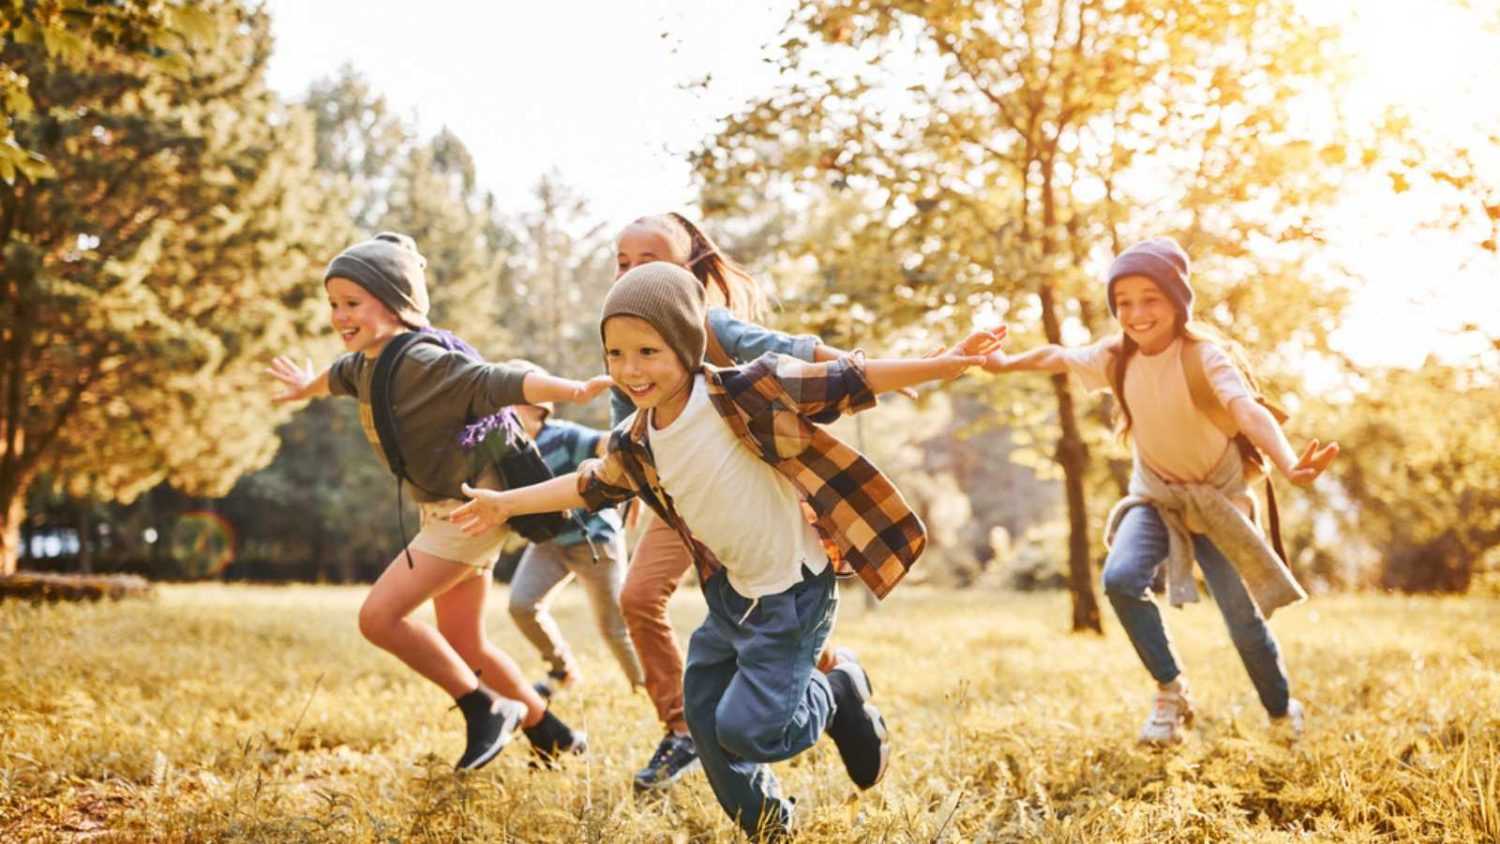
x=76, y=35
x=989, y=153
x=563, y=270
x=147, y=283
x=1424, y=476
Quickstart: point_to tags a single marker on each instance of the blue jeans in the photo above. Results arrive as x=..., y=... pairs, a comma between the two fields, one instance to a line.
x=752, y=693
x=1140, y=548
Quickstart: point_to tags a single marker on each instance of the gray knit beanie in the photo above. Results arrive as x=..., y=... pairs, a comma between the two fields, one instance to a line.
x=390, y=267
x=1161, y=260
x=670, y=299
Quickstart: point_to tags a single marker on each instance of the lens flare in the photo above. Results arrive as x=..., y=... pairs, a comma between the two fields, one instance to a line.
x=202, y=543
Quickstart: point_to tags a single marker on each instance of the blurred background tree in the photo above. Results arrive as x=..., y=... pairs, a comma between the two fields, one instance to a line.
x=924, y=166
x=162, y=259
x=989, y=157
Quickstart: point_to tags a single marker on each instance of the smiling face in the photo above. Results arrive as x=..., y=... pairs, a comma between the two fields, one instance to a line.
x=642, y=242
x=362, y=321
x=1145, y=313
x=641, y=364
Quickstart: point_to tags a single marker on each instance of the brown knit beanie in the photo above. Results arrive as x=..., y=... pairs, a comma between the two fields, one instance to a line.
x=390, y=267
x=670, y=299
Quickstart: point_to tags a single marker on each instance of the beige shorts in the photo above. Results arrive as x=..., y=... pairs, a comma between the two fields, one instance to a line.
x=442, y=538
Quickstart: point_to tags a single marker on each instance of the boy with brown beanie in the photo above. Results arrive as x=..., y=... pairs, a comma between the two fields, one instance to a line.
x=376, y=291
x=752, y=692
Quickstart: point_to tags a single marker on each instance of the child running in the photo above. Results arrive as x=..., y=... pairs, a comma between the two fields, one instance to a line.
x=376, y=290
x=661, y=558
x=1189, y=495
x=725, y=457
x=595, y=555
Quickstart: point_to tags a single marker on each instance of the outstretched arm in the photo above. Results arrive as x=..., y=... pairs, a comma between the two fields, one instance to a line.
x=300, y=381
x=1260, y=426
x=886, y=374
x=540, y=387
x=1046, y=358
x=490, y=508
x=822, y=353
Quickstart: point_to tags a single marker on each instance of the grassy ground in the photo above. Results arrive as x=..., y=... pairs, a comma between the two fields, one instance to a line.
x=244, y=713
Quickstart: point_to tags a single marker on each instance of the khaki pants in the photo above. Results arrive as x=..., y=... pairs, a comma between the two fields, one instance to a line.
x=547, y=567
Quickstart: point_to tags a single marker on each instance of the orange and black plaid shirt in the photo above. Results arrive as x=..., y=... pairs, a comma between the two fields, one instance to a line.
x=774, y=405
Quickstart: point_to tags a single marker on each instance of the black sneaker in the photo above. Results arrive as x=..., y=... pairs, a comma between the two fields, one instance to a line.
x=857, y=728
x=491, y=724
x=675, y=756
x=551, y=739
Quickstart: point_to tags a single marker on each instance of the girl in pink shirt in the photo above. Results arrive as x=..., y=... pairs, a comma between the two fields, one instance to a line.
x=1189, y=480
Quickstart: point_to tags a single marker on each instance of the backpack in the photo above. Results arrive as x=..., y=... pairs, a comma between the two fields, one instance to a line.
x=499, y=439
x=1255, y=465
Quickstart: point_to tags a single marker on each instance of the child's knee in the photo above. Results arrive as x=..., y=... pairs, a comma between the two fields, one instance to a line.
x=1126, y=578
x=1119, y=582
x=638, y=602
x=746, y=736
x=375, y=622
x=523, y=609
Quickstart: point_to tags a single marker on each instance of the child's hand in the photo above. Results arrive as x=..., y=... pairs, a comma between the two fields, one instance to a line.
x=486, y=509
x=591, y=388
x=1312, y=463
x=973, y=351
x=298, y=380
x=982, y=342
x=998, y=361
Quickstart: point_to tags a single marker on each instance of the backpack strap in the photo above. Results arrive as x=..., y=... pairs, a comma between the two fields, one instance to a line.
x=715, y=351
x=382, y=404
x=1208, y=403
x=383, y=410
x=1204, y=397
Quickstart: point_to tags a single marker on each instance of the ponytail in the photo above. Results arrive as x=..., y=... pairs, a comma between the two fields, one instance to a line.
x=715, y=270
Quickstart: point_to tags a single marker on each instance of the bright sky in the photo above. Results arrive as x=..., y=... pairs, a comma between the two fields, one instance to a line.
x=596, y=90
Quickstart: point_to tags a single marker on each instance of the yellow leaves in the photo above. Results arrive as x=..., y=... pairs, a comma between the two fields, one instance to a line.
x=193, y=22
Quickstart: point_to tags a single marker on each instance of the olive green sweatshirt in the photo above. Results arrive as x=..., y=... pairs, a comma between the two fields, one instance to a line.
x=436, y=393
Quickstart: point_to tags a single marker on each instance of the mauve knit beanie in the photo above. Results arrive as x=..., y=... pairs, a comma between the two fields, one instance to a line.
x=1161, y=260
x=390, y=267
x=670, y=299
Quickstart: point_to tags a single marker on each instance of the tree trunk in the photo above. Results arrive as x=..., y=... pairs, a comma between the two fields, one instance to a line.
x=1073, y=456
x=12, y=513
x=84, y=524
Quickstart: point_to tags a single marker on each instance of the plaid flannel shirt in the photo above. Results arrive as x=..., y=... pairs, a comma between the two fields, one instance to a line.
x=774, y=405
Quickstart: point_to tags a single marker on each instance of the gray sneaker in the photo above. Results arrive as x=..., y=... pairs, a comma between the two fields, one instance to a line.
x=857, y=727
x=1171, y=714
x=675, y=756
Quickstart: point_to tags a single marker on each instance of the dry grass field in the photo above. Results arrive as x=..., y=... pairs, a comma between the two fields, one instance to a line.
x=233, y=713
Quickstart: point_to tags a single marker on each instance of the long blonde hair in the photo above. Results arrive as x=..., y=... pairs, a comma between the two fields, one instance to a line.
x=1124, y=348
x=717, y=272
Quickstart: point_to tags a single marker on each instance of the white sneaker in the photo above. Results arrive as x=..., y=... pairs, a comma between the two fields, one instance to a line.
x=1288, y=728
x=1171, y=713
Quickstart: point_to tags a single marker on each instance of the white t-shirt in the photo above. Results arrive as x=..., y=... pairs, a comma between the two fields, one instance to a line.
x=746, y=512
x=1170, y=434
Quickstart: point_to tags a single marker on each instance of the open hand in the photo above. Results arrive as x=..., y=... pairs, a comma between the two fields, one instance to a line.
x=1313, y=462
x=591, y=388
x=486, y=509
x=982, y=342
x=974, y=350
x=298, y=380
